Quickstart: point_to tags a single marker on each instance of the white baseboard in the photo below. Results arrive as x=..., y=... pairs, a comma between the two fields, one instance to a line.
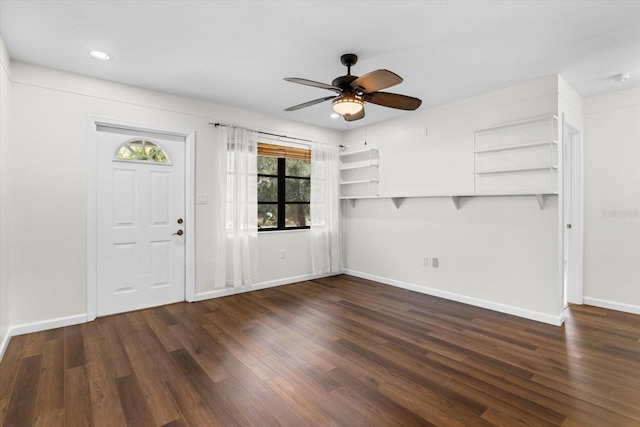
x=612, y=305
x=45, y=325
x=502, y=308
x=223, y=292
x=4, y=343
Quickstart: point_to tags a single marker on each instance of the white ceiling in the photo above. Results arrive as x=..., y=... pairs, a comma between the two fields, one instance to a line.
x=237, y=52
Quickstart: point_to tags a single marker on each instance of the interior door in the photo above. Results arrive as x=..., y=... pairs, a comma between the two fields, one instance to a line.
x=567, y=213
x=140, y=220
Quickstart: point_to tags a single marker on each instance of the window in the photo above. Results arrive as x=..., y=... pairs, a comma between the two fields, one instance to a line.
x=284, y=187
x=140, y=150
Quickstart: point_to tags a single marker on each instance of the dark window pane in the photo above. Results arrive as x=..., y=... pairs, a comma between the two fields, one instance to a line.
x=297, y=190
x=296, y=167
x=268, y=216
x=297, y=215
x=268, y=165
x=267, y=189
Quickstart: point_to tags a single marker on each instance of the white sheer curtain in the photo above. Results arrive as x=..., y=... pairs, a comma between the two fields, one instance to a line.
x=326, y=241
x=237, y=234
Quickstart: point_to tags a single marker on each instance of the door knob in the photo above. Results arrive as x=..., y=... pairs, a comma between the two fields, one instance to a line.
x=179, y=233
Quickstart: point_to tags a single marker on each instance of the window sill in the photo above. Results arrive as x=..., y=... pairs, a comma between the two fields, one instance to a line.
x=295, y=230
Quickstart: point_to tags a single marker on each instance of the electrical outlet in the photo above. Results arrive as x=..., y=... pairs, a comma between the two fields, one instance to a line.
x=282, y=254
x=425, y=261
x=434, y=262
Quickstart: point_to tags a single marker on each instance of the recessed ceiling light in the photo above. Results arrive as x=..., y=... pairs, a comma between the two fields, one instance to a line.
x=99, y=55
x=621, y=78
x=334, y=115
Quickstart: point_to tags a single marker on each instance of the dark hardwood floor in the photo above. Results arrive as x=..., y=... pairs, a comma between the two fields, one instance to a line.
x=338, y=351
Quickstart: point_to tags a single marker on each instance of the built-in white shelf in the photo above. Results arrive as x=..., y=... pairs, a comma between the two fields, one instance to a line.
x=369, y=153
x=519, y=123
x=397, y=201
x=358, y=165
x=517, y=147
x=496, y=171
x=361, y=181
x=520, y=156
x=359, y=173
x=513, y=159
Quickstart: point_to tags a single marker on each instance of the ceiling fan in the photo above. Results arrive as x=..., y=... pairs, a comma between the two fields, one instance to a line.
x=353, y=91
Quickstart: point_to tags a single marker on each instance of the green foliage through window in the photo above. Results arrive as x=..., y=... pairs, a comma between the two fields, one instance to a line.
x=142, y=151
x=284, y=193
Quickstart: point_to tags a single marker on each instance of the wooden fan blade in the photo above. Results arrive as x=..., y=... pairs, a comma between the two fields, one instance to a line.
x=376, y=80
x=356, y=116
x=393, y=100
x=310, y=103
x=312, y=83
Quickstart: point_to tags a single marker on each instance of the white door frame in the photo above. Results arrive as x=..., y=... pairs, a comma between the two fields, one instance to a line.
x=572, y=137
x=92, y=260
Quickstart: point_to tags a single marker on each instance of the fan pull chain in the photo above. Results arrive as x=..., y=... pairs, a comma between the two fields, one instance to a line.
x=365, y=130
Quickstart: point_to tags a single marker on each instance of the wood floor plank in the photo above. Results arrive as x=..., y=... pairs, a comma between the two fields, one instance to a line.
x=21, y=408
x=157, y=323
x=9, y=369
x=166, y=367
x=378, y=401
x=333, y=351
x=191, y=404
x=250, y=408
x=119, y=363
x=134, y=405
x=217, y=402
x=201, y=352
x=285, y=415
x=77, y=398
x=295, y=398
x=73, y=347
x=50, y=402
x=105, y=401
x=161, y=404
x=237, y=349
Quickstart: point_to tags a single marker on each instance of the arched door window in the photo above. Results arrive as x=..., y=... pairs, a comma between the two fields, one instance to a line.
x=142, y=150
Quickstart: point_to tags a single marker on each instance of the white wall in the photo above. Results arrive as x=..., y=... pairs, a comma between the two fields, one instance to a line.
x=48, y=175
x=612, y=200
x=497, y=252
x=5, y=89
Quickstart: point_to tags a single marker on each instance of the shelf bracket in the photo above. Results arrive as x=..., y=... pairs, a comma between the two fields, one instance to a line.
x=397, y=201
x=542, y=198
x=352, y=202
x=456, y=202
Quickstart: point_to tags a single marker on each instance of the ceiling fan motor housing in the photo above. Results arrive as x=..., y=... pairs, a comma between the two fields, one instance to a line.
x=344, y=82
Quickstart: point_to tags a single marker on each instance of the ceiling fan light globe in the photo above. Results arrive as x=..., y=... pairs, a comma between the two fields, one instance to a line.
x=347, y=105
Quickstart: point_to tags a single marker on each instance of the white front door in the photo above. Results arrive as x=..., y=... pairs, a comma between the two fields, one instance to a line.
x=140, y=242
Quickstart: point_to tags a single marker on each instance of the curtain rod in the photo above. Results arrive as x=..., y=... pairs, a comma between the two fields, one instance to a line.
x=273, y=134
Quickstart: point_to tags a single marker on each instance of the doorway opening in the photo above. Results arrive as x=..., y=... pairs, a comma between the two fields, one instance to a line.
x=572, y=216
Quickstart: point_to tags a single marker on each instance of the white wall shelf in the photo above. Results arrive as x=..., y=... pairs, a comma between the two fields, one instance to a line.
x=512, y=159
x=361, y=181
x=517, y=147
x=516, y=170
x=359, y=173
x=358, y=165
x=520, y=156
x=455, y=198
x=363, y=154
